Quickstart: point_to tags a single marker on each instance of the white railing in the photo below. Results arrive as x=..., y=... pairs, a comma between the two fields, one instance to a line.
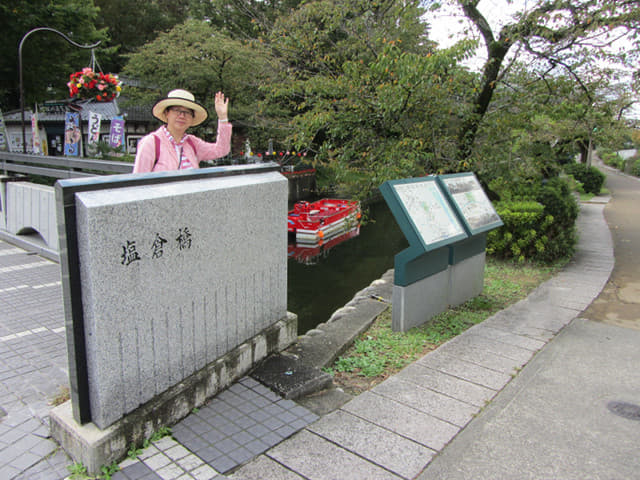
x=27, y=209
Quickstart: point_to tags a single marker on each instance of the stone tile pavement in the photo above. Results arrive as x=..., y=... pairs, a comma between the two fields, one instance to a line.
x=395, y=430
x=236, y=426
x=390, y=432
x=33, y=363
x=239, y=424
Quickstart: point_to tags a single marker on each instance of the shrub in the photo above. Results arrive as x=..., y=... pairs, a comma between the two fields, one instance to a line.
x=520, y=236
x=539, y=227
x=611, y=158
x=591, y=178
x=560, y=204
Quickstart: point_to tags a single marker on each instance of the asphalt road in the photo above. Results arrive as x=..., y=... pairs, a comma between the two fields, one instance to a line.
x=619, y=302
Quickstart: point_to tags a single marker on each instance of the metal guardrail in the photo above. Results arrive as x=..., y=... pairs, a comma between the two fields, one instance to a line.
x=59, y=167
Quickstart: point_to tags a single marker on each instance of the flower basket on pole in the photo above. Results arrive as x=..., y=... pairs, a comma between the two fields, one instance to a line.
x=88, y=84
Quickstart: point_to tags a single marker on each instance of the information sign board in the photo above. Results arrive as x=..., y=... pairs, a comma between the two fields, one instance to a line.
x=471, y=202
x=427, y=211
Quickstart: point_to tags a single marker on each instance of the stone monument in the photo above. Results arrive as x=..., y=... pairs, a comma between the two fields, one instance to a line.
x=174, y=284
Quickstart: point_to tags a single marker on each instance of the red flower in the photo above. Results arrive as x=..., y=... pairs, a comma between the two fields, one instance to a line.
x=89, y=84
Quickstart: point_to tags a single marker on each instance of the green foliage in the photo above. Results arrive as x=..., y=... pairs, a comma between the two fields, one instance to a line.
x=133, y=24
x=369, y=97
x=107, y=471
x=611, y=158
x=243, y=19
x=591, y=178
x=134, y=452
x=77, y=471
x=560, y=204
x=520, y=236
x=539, y=223
x=47, y=58
x=557, y=48
x=380, y=351
x=635, y=167
x=161, y=433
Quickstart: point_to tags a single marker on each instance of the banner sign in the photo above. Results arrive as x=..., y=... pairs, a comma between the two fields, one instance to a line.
x=36, y=145
x=72, y=134
x=94, y=128
x=4, y=138
x=116, y=135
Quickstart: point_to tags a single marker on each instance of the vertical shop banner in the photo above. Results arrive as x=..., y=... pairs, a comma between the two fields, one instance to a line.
x=94, y=128
x=4, y=138
x=36, y=144
x=93, y=137
x=116, y=134
x=72, y=134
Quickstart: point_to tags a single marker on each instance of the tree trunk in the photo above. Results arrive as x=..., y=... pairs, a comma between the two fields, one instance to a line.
x=467, y=136
x=584, y=151
x=496, y=51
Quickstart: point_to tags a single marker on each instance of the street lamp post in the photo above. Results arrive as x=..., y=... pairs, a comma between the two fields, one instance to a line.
x=48, y=29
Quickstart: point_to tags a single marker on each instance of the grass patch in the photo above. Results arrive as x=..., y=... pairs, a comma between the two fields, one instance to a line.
x=380, y=352
x=62, y=396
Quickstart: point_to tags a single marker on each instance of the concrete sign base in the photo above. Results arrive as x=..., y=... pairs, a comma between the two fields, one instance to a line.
x=416, y=303
x=466, y=279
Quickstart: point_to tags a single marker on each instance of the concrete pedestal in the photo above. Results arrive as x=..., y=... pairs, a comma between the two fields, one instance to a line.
x=466, y=279
x=416, y=303
x=94, y=447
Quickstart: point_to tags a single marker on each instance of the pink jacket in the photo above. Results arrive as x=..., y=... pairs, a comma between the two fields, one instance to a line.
x=195, y=149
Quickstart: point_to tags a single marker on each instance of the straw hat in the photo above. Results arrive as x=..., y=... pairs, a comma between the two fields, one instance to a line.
x=181, y=98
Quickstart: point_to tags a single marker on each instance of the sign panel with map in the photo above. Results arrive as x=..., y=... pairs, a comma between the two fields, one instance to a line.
x=427, y=210
x=472, y=203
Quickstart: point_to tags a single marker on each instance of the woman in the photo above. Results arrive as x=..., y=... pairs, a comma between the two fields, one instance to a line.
x=170, y=147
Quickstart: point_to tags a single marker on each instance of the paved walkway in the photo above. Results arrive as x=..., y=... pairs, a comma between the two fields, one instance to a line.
x=574, y=410
x=33, y=361
x=420, y=423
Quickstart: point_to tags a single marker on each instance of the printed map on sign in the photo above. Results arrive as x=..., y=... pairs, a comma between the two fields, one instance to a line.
x=473, y=203
x=430, y=212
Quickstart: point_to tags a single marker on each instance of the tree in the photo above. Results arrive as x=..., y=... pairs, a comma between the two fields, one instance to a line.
x=566, y=34
x=133, y=24
x=538, y=120
x=198, y=58
x=243, y=19
x=48, y=59
x=361, y=82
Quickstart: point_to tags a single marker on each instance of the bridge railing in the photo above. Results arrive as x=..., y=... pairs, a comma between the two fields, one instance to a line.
x=59, y=167
x=27, y=210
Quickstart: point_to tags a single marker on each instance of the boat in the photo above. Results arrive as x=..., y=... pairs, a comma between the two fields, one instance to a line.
x=310, y=253
x=310, y=222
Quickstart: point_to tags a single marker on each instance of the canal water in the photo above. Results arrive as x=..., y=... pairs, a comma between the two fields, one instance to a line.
x=324, y=279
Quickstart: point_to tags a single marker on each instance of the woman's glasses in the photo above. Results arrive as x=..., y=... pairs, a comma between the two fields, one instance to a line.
x=182, y=111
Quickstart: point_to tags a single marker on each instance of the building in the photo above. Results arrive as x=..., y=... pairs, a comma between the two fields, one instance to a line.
x=138, y=121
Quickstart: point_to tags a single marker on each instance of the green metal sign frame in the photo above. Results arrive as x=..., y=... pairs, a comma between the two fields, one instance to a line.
x=470, y=202
x=444, y=218
x=416, y=203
